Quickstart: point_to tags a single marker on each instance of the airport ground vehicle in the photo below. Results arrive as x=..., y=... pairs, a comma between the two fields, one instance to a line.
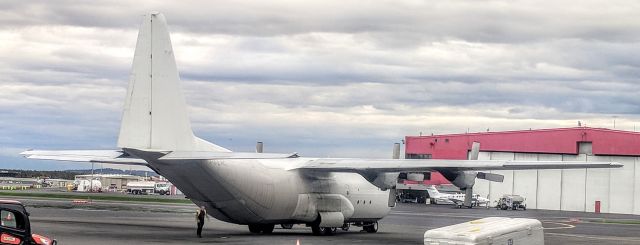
x=514, y=202
x=88, y=185
x=15, y=227
x=148, y=187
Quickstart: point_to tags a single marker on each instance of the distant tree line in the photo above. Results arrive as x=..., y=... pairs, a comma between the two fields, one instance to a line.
x=68, y=174
x=37, y=174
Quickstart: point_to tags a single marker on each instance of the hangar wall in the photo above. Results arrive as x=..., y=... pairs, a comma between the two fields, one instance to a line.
x=618, y=190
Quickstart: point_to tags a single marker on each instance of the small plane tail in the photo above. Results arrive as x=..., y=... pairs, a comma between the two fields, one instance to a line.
x=433, y=191
x=155, y=111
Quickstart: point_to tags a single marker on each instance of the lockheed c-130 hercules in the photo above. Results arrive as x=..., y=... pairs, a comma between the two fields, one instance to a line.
x=260, y=189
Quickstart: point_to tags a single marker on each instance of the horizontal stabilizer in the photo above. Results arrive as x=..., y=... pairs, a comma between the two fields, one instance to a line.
x=209, y=155
x=97, y=156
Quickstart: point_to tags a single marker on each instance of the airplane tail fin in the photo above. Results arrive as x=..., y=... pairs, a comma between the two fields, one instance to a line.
x=433, y=191
x=155, y=112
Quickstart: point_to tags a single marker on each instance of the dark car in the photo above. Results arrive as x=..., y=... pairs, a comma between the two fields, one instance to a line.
x=15, y=227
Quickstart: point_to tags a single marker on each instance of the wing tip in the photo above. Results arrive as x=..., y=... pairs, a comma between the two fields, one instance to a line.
x=26, y=153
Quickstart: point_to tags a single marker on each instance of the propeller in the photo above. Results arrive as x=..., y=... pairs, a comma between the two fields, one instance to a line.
x=469, y=176
x=490, y=176
x=466, y=179
x=468, y=190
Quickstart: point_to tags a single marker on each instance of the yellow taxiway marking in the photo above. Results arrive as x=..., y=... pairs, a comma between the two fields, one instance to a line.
x=561, y=225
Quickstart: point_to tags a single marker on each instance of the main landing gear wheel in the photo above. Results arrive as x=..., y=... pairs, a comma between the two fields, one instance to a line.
x=371, y=227
x=254, y=229
x=345, y=227
x=330, y=231
x=261, y=228
x=326, y=231
x=315, y=229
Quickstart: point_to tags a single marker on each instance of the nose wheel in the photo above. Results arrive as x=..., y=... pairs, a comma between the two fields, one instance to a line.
x=371, y=227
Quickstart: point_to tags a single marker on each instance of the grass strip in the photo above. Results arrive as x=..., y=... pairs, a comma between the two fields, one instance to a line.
x=94, y=197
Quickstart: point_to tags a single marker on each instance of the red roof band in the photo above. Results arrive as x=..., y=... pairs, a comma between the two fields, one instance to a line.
x=553, y=141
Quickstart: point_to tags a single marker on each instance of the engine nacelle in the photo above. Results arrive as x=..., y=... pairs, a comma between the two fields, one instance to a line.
x=461, y=179
x=384, y=181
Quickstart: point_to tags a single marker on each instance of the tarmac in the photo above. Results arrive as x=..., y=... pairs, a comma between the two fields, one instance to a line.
x=103, y=222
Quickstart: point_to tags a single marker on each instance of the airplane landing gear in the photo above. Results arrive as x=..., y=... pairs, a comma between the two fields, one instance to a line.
x=327, y=231
x=345, y=227
x=370, y=227
x=261, y=228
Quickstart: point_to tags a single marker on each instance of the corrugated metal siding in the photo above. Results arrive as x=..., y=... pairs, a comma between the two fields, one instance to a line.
x=618, y=190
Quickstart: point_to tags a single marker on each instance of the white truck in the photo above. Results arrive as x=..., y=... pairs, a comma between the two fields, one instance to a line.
x=87, y=185
x=148, y=187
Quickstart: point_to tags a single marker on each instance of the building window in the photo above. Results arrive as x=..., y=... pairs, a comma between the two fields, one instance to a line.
x=417, y=156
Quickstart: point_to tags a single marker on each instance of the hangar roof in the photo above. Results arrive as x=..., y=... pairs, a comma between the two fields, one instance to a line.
x=553, y=141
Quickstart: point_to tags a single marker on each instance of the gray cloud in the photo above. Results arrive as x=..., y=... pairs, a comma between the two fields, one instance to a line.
x=495, y=21
x=343, y=78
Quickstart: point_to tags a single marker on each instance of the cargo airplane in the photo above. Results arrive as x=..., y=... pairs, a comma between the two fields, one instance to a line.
x=258, y=189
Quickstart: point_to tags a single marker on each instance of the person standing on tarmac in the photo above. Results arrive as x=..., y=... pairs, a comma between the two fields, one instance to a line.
x=200, y=214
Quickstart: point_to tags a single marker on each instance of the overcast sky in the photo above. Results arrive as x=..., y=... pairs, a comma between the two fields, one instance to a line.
x=322, y=78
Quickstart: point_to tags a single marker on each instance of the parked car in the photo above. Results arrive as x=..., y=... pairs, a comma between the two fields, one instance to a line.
x=15, y=227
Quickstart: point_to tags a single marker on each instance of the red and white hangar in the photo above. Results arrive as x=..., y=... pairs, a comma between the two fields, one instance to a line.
x=613, y=190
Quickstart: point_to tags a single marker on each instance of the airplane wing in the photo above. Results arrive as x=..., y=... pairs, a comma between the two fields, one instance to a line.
x=422, y=165
x=208, y=155
x=456, y=201
x=97, y=156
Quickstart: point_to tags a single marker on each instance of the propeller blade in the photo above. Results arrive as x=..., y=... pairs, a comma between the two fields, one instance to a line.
x=392, y=198
x=468, y=195
x=490, y=176
x=475, y=151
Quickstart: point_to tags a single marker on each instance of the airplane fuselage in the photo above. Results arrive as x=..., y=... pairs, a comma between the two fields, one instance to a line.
x=263, y=191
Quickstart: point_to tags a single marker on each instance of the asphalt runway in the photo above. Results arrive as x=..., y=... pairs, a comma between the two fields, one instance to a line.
x=136, y=223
